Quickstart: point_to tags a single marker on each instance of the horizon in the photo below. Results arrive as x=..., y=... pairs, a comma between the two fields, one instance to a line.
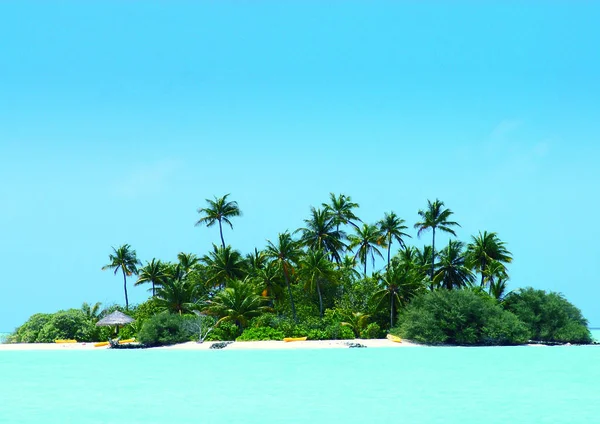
x=118, y=120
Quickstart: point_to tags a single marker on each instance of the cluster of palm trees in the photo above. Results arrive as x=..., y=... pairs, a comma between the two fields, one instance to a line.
x=326, y=252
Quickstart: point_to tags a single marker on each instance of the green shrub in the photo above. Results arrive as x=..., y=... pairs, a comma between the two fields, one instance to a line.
x=163, y=329
x=549, y=316
x=260, y=333
x=28, y=332
x=372, y=331
x=459, y=317
x=71, y=324
x=224, y=331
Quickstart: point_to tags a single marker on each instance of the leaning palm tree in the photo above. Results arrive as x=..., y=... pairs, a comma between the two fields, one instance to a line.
x=435, y=217
x=237, y=303
x=286, y=254
x=341, y=209
x=392, y=229
x=451, y=271
x=218, y=211
x=483, y=250
x=322, y=233
x=316, y=270
x=367, y=239
x=153, y=272
x=124, y=259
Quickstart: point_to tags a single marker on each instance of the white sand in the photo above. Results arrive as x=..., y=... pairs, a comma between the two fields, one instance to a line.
x=308, y=344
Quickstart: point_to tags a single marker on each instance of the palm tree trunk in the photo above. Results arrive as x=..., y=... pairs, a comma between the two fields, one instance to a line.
x=432, y=258
x=125, y=287
x=391, y=310
x=221, y=232
x=389, y=251
x=365, y=266
x=482, y=272
x=153, y=293
x=287, y=281
x=320, y=299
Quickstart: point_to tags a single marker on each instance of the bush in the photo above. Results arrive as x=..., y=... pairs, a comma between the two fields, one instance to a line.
x=372, y=331
x=163, y=329
x=224, y=331
x=549, y=316
x=260, y=333
x=28, y=332
x=71, y=324
x=459, y=317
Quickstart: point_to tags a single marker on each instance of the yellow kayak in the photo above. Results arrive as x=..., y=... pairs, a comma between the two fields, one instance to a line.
x=100, y=344
x=294, y=339
x=395, y=339
x=126, y=341
x=65, y=341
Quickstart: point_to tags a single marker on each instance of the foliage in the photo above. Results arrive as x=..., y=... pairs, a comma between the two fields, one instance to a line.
x=70, y=324
x=218, y=211
x=125, y=259
x=29, y=331
x=164, y=329
x=549, y=316
x=371, y=331
x=237, y=303
x=224, y=331
x=200, y=325
x=260, y=333
x=460, y=317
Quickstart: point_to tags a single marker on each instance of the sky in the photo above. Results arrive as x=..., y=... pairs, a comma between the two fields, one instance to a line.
x=118, y=120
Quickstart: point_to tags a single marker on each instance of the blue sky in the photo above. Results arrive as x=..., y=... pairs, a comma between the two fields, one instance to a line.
x=117, y=120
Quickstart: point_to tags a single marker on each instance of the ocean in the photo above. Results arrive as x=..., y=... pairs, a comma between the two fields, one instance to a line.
x=418, y=385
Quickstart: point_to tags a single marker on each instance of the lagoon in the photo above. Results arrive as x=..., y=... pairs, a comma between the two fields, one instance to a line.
x=424, y=385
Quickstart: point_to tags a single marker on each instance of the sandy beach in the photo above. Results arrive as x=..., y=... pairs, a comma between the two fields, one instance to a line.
x=308, y=344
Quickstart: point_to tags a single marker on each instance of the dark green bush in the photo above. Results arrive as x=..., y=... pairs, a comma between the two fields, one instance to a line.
x=260, y=333
x=224, y=331
x=28, y=332
x=549, y=316
x=163, y=329
x=372, y=331
x=71, y=324
x=459, y=317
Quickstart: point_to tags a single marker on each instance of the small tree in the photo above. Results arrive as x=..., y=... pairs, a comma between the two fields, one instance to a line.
x=202, y=325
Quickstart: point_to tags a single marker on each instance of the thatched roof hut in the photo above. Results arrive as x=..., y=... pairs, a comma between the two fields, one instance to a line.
x=116, y=318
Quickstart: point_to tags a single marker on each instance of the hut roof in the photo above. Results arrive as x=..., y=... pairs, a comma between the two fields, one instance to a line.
x=116, y=318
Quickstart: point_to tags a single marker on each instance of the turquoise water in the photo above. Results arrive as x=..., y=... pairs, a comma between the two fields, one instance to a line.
x=415, y=385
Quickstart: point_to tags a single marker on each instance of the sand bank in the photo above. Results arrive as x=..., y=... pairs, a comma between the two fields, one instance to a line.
x=308, y=344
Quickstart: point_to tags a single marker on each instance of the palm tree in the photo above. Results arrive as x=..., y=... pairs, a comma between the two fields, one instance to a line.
x=187, y=261
x=452, y=272
x=367, y=238
x=238, y=302
x=357, y=321
x=218, y=210
x=177, y=294
x=153, y=272
x=322, y=233
x=91, y=311
x=400, y=285
x=256, y=261
x=224, y=263
x=392, y=228
x=316, y=269
x=124, y=259
x=268, y=281
x=286, y=253
x=341, y=209
x=497, y=276
x=435, y=217
x=484, y=249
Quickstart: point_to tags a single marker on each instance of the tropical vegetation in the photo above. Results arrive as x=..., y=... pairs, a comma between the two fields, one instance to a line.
x=335, y=277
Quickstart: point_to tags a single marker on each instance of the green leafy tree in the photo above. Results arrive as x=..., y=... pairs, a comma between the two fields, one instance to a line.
x=224, y=264
x=367, y=240
x=392, y=227
x=286, y=254
x=452, y=272
x=433, y=218
x=154, y=273
x=317, y=270
x=322, y=233
x=237, y=303
x=357, y=321
x=341, y=207
x=220, y=211
x=269, y=282
x=178, y=294
x=484, y=249
x=124, y=259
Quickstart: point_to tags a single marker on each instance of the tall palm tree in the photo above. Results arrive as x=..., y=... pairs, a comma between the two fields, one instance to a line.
x=286, y=253
x=399, y=286
x=153, y=272
x=483, y=250
x=341, y=208
x=452, y=271
x=322, y=233
x=124, y=259
x=366, y=239
x=238, y=303
x=219, y=210
x=435, y=217
x=392, y=229
x=316, y=269
x=223, y=264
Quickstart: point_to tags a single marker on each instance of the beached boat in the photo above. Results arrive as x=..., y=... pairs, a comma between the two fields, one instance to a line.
x=100, y=344
x=294, y=339
x=393, y=338
x=65, y=341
